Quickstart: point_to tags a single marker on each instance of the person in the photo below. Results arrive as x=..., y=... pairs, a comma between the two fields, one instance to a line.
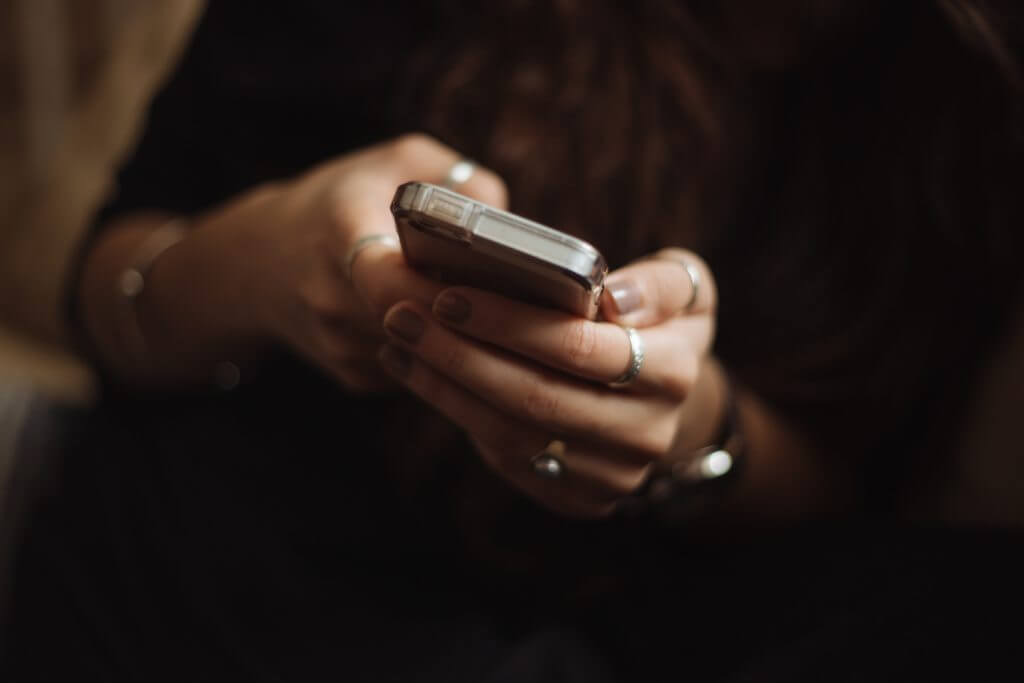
x=811, y=216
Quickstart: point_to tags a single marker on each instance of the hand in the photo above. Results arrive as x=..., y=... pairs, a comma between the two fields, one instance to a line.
x=296, y=235
x=515, y=377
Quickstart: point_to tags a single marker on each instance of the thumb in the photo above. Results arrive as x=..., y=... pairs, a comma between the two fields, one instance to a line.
x=668, y=283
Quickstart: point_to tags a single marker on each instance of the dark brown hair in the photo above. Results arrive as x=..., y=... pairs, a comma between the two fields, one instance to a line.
x=850, y=170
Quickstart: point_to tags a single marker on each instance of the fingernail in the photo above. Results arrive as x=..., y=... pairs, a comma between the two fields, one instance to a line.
x=395, y=360
x=625, y=294
x=452, y=308
x=406, y=325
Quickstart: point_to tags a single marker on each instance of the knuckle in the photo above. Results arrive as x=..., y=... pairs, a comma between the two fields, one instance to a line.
x=412, y=144
x=579, y=342
x=541, y=404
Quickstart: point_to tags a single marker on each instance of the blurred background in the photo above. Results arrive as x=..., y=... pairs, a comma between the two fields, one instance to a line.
x=75, y=79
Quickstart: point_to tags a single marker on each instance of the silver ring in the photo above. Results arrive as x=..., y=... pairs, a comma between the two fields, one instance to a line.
x=364, y=242
x=692, y=272
x=636, y=358
x=548, y=463
x=459, y=173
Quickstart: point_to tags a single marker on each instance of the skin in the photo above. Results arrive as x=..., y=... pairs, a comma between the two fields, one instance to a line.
x=267, y=268
x=515, y=376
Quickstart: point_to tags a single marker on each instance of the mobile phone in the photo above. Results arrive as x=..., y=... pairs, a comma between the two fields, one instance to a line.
x=460, y=241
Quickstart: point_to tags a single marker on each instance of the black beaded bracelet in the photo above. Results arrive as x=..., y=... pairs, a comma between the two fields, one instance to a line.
x=679, y=490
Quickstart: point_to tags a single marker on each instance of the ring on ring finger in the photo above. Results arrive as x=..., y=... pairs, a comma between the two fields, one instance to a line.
x=636, y=358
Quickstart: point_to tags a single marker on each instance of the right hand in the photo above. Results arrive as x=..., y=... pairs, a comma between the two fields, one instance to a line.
x=295, y=236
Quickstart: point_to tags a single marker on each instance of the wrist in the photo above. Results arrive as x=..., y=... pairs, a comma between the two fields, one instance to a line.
x=704, y=412
x=197, y=287
x=705, y=463
x=201, y=303
x=227, y=262
x=132, y=283
x=161, y=308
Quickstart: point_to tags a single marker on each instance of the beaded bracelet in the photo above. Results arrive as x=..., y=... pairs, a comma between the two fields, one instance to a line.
x=131, y=282
x=679, y=490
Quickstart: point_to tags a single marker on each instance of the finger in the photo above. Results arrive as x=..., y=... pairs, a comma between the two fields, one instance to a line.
x=591, y=483
x=347, y=358
x=360, y=203
x=382, y=278
x=585, y=489
x=657, y=288
x=365, y=211
x=608, y=476
x=598, y=475
x=416, y=156
x=550, y=401
x=598, y=351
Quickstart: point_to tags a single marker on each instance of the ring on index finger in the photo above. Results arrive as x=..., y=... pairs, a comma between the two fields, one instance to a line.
x=362, y=243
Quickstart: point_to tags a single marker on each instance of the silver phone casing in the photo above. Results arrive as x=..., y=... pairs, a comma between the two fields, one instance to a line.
x=461, y=241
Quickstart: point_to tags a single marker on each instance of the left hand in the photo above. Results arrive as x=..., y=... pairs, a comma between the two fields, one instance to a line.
x=516, y=376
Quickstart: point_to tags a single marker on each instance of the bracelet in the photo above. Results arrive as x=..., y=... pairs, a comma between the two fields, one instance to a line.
x=131, y=282
x=678, y=491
